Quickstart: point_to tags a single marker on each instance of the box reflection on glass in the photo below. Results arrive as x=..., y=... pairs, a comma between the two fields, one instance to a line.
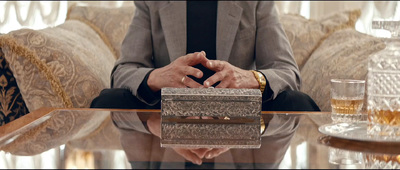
x=347, y=98
x=345, y=158
x=210, y=117
x=381, y=161
x=384, y=86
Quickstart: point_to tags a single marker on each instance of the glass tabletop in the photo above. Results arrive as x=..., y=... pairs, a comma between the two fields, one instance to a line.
x=114, y=139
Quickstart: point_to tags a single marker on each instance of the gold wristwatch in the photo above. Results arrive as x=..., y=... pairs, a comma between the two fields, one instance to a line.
x=261, y=80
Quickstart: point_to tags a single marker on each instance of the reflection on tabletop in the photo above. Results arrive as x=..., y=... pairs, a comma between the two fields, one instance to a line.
x=362, y=154
x=143, y=149
x=291, y=140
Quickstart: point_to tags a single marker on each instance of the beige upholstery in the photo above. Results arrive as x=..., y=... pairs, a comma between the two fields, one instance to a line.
x=62, y=67
x=306, y=35
x=111, y=24
x=58, y=67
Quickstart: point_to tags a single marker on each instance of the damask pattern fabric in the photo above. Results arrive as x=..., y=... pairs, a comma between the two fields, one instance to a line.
x=110, y=23
x=343, y=55
x=64, y=66
x=12, y=105
x=305, y=35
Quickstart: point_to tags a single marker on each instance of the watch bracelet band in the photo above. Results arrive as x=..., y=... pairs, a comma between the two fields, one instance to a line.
x=262, y=129
x=261, y=80
x=261, y=84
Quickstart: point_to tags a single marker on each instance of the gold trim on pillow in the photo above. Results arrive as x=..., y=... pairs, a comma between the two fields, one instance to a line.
x=353, y=17
x=99, y=32
x=70, y=9
x=23, y=51
x=95, y=28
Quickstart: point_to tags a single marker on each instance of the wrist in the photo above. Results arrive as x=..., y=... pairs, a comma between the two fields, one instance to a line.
x=152, y=81
x=253, y=83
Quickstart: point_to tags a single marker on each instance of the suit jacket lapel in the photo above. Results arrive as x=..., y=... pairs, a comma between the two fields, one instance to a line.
x=173, y=21
x=228, y=18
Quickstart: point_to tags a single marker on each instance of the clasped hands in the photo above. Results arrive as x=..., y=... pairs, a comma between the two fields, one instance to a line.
x=176, y=74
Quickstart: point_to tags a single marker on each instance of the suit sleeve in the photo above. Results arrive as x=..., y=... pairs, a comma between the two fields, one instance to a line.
x=136, y=54
x=274, y=57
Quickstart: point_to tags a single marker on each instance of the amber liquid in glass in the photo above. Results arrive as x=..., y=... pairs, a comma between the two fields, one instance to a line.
x=346, y=106
x=384, y=157
x=381, y=161
x=385, y=117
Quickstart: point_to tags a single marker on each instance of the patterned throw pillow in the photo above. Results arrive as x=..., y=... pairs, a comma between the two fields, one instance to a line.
x=12, y=106
x=344, y=54
x=110, y=23
x=306, y=35
x=64, y=66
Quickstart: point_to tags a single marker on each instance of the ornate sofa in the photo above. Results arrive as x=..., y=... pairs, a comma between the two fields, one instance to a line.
x=68, y=65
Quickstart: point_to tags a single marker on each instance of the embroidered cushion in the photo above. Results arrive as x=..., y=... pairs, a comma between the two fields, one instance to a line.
x=305, y=35
x=12, y=105
x=63, y=66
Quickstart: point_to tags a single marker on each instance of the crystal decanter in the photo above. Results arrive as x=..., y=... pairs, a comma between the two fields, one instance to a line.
x=383, y=85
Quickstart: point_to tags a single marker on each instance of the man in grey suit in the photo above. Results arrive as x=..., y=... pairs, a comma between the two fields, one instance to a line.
x=199, y=44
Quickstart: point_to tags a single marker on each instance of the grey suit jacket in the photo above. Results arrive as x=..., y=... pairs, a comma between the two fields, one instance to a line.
x=249, y=36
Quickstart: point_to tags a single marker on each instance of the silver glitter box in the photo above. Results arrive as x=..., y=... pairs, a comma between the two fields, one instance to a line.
x=210, y=117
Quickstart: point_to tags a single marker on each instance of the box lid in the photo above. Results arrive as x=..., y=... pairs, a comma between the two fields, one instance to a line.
x=210, y=94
